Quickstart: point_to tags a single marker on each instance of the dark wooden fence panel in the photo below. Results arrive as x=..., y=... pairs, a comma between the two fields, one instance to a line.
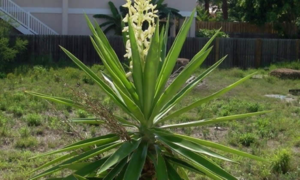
x=244, y=53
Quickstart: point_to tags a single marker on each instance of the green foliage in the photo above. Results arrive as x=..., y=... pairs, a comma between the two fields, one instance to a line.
x=164, y=11
x=266, y=11
x=247, y=139
x=210, y=33
x=281, y=163
x=82, y=114
x=29, y=142
x=8, y=48
x=16, y=110
x=148, y=144
x=203, y=15
x=113, y=22
x=33, y=119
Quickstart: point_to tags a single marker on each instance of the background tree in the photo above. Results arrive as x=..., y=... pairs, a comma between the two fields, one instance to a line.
x=265, y=11
x=8, y=48
x=113, y=22
x=216, y=4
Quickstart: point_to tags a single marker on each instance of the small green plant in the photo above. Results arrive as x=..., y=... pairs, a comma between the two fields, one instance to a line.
x=147, y=149
x=282, y=161
x=33, y=119
x=82, y=114
x=88, y=80
x=16, y=110
x=25, y=132
x=207, y=33
x=247, y=139
x=28, y=142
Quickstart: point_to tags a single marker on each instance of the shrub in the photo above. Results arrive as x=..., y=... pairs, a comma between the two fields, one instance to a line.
x=207, y=33
x=281, y=163
x=8, y=48
x=33, y=119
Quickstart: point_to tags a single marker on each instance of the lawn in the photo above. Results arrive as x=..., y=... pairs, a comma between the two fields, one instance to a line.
x=30, y=126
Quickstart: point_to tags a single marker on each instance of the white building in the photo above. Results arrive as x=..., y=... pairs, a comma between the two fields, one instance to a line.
x=65, y=17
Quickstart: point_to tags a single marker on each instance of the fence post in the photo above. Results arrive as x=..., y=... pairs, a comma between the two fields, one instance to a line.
x=258, y=50
x=217, y=55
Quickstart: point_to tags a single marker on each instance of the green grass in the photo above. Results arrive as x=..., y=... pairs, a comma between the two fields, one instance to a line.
x=29, y=126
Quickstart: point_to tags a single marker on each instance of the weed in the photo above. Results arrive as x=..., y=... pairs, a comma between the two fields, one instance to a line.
x=297, y=143
x=16, y=110
x=28, y=142
x=3, y=105
x=33, y=119
x=88, y=80
x=281, y=163
x=25, y=132
x=236, y=72
x=82, y=114
x=247, y=139
x=72, y=73
x=254, y=107
x=18, y=97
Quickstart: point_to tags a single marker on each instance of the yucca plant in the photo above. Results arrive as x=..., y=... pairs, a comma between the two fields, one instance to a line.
x=143, y=147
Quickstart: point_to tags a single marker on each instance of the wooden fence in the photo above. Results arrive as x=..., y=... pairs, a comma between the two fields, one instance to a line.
x=248, y=28
x=243, y=53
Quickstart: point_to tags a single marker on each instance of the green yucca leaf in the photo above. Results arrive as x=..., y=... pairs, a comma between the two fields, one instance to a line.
x=183, y=92
x=135, y=110
x=163, y=44
x=176, y=85
x=57, y=160
x=209, y=168
x=115, y=77
x=192, y=146
x=122, y=173
x=172, y=173
x=213, y=120
x=136, y=163
x=160, y=166
x=99, y=81
x=71, y=148
x=208, y=144
x=182, y=173
x=81, y=157
x=90, y=168
x=79, y=177
x=87, y=121
x=183, y=164
x=206, y=99
x=137, y=70
x=150, y=73
x=92, y=140
x=116, y=170
x=172, y=56
x=96, y=31
x=57, y=100
x=119, y=155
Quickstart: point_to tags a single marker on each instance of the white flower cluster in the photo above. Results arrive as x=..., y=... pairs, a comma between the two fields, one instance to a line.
x=140, y=11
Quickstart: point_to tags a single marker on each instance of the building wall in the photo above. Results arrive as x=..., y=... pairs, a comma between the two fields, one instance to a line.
x=66, y=16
